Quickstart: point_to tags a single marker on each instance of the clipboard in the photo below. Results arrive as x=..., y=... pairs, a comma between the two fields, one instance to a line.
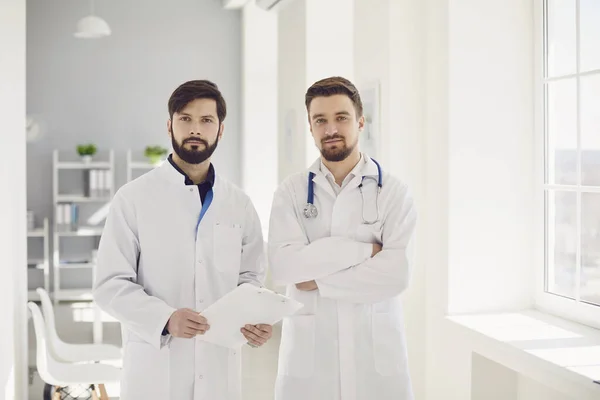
x=246, y=304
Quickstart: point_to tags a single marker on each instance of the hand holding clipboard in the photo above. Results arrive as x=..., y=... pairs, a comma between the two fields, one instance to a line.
x=245, y=305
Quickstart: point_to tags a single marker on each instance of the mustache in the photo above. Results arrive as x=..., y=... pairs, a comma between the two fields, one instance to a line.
x=336, y=136
x=195, y=140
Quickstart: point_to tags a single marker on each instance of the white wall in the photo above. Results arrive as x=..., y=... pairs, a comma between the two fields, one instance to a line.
x=493, y=381
x=114, y=91
x=528, y=389
x=259, y=100
x=479, y=128
x=491, y=154
x=13, y=372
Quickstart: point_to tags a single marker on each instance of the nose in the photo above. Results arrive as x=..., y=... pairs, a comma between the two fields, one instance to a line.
x=330, y=129
x=195, y=128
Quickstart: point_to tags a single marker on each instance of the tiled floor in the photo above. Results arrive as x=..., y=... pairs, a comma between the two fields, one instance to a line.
x=74, y=325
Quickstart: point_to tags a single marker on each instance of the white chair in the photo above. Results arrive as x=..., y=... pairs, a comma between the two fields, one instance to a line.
x=73, y=353
x=61, y=375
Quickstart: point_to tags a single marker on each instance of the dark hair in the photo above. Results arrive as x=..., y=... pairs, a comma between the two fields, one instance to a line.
x=199, y=89
x=331, y=86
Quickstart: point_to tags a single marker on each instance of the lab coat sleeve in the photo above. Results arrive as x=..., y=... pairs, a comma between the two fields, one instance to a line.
x=253, y=249
x=388, y=273
x=115, y=283
x=292, y=259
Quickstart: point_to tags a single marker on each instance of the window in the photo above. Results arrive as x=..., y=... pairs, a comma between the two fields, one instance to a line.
x=571, y=126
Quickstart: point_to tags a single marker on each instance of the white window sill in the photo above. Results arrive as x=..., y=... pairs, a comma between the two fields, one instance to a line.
x=561, y=354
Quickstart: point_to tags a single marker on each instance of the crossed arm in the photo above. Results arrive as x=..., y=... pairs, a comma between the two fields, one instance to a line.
x=342, y=268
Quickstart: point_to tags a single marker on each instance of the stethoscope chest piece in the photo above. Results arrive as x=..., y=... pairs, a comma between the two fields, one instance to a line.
x=310, y=211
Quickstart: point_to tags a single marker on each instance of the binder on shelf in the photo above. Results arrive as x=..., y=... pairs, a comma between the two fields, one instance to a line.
x=108, y=183
x=98, y=183
x=67, y=217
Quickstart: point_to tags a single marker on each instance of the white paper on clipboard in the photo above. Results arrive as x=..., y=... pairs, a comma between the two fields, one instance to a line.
x=246, y=304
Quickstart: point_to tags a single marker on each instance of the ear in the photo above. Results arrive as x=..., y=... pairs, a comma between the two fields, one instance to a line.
x=310, y=126
x=169, y=127
x=221, y=130
x=361, y=123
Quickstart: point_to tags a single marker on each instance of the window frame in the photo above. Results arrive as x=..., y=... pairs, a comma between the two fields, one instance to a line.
x=571, y=309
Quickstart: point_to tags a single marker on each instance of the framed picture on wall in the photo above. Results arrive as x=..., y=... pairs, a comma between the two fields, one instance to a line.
x=370, y=137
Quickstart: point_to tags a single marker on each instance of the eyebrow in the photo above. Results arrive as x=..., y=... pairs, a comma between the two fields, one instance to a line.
x=337, y=113
x=202, y=116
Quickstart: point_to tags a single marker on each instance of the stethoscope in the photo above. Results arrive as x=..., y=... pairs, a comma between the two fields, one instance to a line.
x=310, y=210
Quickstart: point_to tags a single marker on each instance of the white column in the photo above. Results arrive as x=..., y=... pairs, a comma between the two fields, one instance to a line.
x=259, y=91
x=13, y=242
x=293, y=127
x=316, y=40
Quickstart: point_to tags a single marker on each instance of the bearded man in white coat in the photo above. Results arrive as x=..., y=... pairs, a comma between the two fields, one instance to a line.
x=338, y=238
x=176, y=240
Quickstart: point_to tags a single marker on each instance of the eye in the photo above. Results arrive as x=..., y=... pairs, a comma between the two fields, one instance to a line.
x=206, y=120
x=342, y=118
x=320, y=120
x=185, y=118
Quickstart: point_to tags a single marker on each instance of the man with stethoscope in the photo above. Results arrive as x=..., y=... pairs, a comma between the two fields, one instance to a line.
x=338, y=239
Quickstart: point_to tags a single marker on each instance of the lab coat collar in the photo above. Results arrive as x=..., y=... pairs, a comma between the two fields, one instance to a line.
x=182, y=176
x=356, y=171
x=369, y=168
x=178, y=177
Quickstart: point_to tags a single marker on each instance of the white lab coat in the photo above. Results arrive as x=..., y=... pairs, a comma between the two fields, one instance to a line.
x=348, y=341
x=151, y=262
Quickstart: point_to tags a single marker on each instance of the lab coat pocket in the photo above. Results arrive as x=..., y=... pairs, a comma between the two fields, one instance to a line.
x=387, y=344
x=145, y=372
x=227, y=247
x=297, y=355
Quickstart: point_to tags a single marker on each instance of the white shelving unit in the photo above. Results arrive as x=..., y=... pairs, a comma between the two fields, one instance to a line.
x=137, y=165
x=43, y=264
x=60, y=234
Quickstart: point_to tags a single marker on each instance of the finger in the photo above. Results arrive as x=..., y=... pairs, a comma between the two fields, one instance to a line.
x=265, y=328
x=198, y=329
x=256, y=331
x=197, y=325
x=191, y=331
x=252, y=337
x=194, y=316
x=253, y=342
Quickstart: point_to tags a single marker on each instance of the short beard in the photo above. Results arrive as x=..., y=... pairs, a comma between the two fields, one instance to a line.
x=339, y=154
x=194, y=156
